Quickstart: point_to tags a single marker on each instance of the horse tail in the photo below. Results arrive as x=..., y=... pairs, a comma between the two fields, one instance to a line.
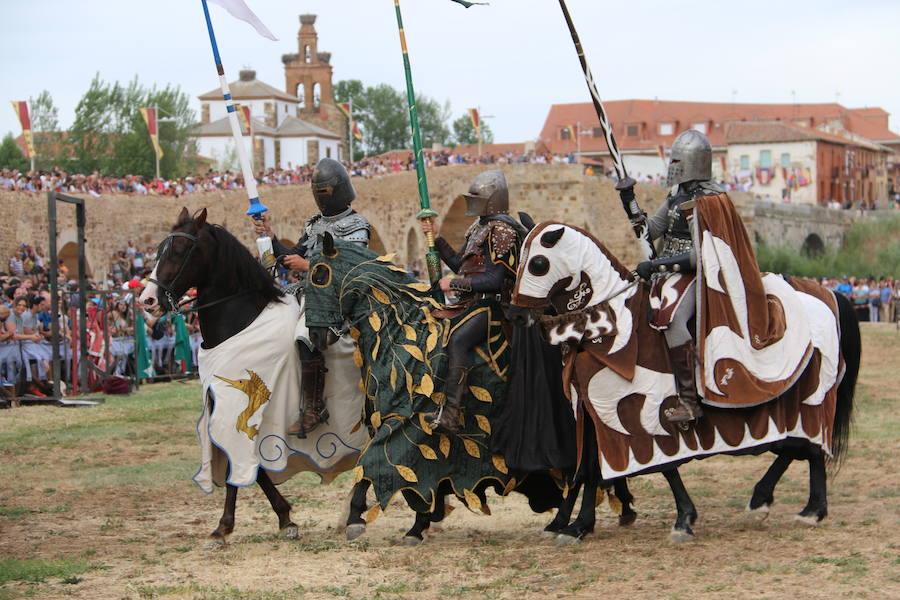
x=851, y=349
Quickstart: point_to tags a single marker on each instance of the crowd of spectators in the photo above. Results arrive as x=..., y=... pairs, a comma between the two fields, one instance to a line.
x=875, y=300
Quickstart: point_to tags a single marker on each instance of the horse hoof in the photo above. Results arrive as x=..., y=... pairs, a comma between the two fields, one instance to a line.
x=760, y=513
x=680, y=536
x=809, y=520
x=289, y=532
x=627, y=519
x=355, y=530
x=215, y=543
x=411, y=541
x=563, y=540
x=549, y=535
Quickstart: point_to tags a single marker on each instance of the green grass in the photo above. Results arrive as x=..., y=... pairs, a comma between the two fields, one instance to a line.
x=37, y=571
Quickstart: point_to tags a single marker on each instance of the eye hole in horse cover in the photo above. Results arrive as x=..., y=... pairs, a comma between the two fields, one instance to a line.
x=539, y=265
x=321, y=275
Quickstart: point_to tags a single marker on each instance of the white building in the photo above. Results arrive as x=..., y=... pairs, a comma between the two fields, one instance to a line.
x=280, y=138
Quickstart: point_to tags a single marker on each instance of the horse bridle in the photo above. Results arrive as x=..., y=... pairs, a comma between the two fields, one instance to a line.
x=167, y=289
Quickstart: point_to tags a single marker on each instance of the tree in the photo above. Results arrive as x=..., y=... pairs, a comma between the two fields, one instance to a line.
x=464, y=131
x=433, y=119
x=109, y=133
x=11, y=156
x=45, y=126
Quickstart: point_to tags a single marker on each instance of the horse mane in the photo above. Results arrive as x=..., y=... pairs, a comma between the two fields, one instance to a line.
x=235, y=265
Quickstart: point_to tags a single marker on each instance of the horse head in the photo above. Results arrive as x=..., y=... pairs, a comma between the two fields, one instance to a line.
x=565, y=268
x=181, y=262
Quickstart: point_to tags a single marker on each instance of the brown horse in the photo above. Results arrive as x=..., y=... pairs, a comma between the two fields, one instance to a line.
x=617, y=375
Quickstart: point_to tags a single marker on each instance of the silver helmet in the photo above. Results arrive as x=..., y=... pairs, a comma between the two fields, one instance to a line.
x=690, y=158
x=488, y=195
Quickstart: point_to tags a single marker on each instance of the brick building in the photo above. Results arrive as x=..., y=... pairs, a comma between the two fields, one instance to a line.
x=645, y=129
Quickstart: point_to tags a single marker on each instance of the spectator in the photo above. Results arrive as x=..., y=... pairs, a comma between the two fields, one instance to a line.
x=860, y=297
x=874, y=300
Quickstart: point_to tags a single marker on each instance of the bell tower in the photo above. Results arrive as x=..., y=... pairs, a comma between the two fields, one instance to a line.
x=308, y=73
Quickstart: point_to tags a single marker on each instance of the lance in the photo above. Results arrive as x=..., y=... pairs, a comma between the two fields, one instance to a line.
x=427, y=214
x=257, y=208
x=626, y=184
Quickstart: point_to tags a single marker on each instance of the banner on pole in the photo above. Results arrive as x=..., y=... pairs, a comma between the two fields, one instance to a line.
x=240, y=10
x=476, y=120
x=244, y=114
x=356, y=132
x=21, y=108
x=344, y=107
x=149, y=115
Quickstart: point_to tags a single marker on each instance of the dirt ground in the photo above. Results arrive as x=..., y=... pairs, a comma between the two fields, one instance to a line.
x=103, y=495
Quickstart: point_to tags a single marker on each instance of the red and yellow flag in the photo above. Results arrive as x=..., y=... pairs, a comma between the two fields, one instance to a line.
x=21, y=108
x=345, y=109
x=356, y=132
x=244, y=115
x=476, y=120
x=149, y=115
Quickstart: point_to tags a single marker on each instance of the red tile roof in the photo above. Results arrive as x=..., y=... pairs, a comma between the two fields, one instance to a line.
x=758, y=132
x=647, y=115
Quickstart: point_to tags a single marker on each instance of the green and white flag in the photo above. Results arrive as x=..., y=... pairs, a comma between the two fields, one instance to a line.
x=142, y=358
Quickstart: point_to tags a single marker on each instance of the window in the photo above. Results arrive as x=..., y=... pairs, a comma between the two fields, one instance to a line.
x=745, y=162
x=786, y=160
x=565, y=133
x=666, y=128
x=328, y=151
x=765, y=159
x=701, y=127
x=631, y=131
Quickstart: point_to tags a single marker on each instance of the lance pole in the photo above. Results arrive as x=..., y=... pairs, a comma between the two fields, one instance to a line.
x=636, y=216
x=263, y=243
x=427, y=214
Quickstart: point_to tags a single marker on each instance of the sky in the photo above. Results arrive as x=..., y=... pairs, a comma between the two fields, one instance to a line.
x=513, y=58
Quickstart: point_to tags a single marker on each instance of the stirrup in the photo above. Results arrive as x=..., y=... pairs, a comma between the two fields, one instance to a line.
x=435, y=420
x=684, y=412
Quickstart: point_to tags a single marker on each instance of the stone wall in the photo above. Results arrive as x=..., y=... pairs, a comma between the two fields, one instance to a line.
x=557, y=192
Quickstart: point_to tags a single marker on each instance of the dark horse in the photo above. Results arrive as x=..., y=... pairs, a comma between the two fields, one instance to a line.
x=607, y=333
x=232, y=290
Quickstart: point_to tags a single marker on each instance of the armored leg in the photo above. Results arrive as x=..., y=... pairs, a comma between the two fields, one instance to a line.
x=688, y=408
x=449, y=417
x=312, y=392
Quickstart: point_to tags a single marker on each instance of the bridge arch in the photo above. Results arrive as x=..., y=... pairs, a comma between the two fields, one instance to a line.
x=813, y=246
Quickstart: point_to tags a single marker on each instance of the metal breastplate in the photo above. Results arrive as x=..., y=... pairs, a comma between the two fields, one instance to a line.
x=348, y=225
x=677, y=239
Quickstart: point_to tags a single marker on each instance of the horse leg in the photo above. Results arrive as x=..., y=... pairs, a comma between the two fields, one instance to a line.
x=817, y=507
x=226, y=524
x=687, y=513
x=621, y=491
x=282, y=508
x=587, y=516
x=356, y=524
x=764, y=490
x=564, y=512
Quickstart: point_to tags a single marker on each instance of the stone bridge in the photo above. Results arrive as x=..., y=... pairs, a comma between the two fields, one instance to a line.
x=807, y=229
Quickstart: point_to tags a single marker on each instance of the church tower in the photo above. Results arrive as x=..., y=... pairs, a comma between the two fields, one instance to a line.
x=308, y=76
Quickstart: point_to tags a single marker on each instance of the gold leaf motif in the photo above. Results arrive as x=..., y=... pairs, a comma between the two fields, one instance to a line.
x=472, y=501
x=354, y=333
x=500, y=464
x=472, y=448
x=375, y=321
x=598, y=501
x=373, y=513
x=361, y=386
x=387, y=258
x=510, y=486
x=483, y=423
x=615, y=504
x=398, y=269
x=356, y=427
x=393, y=377
x=439, y=398
x=444, y=445
x=375, y=419
x=376, y=348
x=423, y=422
x=480, y=393
x=414, y=351
x=565, y=491
x=407, y=473
x=409, y=382
x=409, y=332
x=358, y=473
x=432, y=340
x=426, y=386
x=419, y=287
x=380, y=296
x=427, y=452
x=357, y=357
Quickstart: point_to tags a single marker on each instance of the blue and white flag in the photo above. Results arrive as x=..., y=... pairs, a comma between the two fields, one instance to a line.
x=240, y=10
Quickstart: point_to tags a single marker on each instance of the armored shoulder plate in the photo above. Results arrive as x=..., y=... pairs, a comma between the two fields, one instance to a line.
x=353, y=227
x=707, y=188
x=503, y=237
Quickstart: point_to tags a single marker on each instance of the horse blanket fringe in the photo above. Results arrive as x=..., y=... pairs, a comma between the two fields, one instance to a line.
x=251, y=395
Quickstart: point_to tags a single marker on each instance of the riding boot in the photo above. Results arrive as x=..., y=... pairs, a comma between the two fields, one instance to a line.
x=312, y=396
x=688, y=408
x=448, y=418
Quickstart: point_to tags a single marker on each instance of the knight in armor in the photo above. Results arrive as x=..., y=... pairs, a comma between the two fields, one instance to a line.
x=690, y=178
x=333, y=193
x=485, y=274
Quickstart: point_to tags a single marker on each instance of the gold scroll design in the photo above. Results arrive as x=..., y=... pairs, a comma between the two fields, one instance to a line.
x=257, y=395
